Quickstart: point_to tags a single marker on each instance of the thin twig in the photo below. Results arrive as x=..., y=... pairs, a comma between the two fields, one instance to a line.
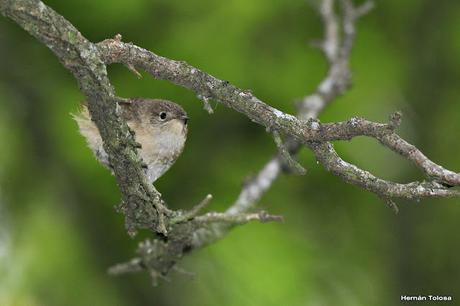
x=291, y=163
x=193, y=212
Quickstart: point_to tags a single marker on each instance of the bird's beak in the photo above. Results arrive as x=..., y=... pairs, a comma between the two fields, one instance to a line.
x=184, y=119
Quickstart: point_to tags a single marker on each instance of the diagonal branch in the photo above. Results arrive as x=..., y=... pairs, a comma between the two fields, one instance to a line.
x=182, y=232
x=336, y=82
x=302, y=131
x=141, y=202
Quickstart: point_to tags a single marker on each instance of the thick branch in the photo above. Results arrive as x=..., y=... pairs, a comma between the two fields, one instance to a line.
x=337, y=80
x=141, y=202
x=186, y=231
x=203, y=84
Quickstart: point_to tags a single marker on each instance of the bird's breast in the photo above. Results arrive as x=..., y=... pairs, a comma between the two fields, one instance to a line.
x=161, y=146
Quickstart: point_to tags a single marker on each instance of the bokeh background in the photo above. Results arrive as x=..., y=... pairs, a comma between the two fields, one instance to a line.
x=339, y=245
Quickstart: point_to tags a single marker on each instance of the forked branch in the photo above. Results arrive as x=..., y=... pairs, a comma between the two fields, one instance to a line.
x=181, y=232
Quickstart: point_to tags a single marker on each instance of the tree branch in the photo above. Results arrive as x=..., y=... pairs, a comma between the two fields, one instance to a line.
x=141, y=202
x=301, y=130
x=336, y=82
x=182, y=232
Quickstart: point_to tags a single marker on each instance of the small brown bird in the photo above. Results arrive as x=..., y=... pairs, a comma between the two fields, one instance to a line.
x=160, y=127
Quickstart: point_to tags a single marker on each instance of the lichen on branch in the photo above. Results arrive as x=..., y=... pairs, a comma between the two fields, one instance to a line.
x=181, y=232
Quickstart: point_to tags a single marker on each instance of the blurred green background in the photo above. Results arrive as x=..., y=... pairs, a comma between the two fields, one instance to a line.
x=339, y=244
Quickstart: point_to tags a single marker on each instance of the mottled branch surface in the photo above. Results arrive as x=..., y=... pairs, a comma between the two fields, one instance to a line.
x=181, y=232
x=141, y=202
x=310, y=132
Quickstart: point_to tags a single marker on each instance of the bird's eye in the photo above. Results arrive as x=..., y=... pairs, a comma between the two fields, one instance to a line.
x=162, y=115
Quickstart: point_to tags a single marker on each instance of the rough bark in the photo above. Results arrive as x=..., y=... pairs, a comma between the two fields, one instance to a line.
x=180, y=232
